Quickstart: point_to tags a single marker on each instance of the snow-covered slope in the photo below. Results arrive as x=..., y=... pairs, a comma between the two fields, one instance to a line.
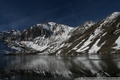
x=49, y=42
x=102, y=37
x=44, y=38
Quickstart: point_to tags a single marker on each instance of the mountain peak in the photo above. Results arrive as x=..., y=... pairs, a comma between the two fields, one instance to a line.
x=115, y=13
x=51, y=23
x=89, y=23
x=113, y=16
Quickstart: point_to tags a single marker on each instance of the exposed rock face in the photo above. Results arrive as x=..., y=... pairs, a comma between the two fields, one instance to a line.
x=53, y=38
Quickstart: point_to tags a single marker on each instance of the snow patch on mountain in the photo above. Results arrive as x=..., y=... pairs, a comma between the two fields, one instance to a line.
x=87, y=42
x=117, y=31
x=118, y=25
x=76, y=47
x=95, y=47
x=110, y=18
x=88, y=24
x=34, y=46
x=114, y=15
x=118, y=43
x=98, y=31
x=104, y=34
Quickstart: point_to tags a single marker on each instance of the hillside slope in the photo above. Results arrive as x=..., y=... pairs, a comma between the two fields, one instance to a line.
x=102, y=37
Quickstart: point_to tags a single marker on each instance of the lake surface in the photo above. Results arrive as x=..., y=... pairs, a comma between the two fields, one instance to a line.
x=66, y=66
x=38, y=62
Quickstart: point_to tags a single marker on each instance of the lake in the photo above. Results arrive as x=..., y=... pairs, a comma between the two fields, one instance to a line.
x=65, y=67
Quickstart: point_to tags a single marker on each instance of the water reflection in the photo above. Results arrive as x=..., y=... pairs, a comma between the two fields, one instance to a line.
x=94, y=62
x=86, y=65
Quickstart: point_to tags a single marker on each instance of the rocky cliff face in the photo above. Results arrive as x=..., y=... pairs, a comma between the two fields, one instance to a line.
x=59, y=39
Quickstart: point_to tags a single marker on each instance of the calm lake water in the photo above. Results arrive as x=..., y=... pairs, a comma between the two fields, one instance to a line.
x=66, y=66
x=38, y=62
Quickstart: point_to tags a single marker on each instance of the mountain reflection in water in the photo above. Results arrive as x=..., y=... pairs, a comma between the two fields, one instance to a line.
x=94, y=62
x=67, y=65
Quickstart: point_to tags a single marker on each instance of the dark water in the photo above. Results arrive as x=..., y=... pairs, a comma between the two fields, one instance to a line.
x=64, y=66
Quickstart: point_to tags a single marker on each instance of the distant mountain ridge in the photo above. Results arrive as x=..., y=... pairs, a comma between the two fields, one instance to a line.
x=102, y=37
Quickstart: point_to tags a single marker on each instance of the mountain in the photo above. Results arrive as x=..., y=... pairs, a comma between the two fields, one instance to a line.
x=102, y=37
x=43, y=38
x=58, y=39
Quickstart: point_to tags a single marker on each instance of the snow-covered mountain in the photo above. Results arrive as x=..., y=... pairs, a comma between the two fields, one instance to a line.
x=102, y=37
x=59, y=39
x=43, y=38
x=47, y=37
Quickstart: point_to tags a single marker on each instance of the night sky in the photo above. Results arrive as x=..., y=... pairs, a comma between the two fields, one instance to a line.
x=21, y=14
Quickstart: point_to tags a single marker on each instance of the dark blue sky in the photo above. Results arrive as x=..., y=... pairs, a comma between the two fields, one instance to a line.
x=21, y=14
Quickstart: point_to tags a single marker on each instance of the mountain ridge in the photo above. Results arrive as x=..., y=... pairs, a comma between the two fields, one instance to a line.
x=53, y=38
x=91, y=41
